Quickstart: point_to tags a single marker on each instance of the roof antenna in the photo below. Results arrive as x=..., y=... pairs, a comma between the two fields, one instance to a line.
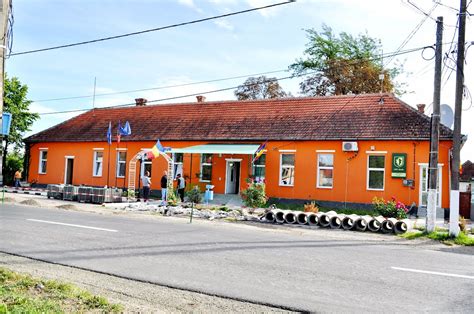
x=93, y=96
x=381, y=78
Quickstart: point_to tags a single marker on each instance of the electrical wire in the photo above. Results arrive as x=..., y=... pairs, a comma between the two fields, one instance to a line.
x=150, y=30
x=161, y=87
x=230, y=88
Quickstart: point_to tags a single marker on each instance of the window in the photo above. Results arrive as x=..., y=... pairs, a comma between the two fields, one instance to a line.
x=376, y=173
x=325, y=171
x=43, y=159
x=145, y=165
x=178, y=164
x=258, y=169
x=424, y=186
x=206, y=167
x=287, y=169
x=98, y=161
x=121, y=164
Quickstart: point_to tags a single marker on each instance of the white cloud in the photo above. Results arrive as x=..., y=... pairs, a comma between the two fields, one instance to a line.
x=224, y=24
x=190, y=4
x=267, y=13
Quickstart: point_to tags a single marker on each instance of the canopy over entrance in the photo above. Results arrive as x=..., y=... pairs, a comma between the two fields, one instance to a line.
x=247, y=149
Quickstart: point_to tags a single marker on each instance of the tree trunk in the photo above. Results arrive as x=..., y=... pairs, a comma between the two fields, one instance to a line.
x=4, y=157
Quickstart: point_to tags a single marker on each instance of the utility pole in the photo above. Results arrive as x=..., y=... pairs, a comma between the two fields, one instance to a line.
x=4, y=12
x=454, y=195
x=434, y=143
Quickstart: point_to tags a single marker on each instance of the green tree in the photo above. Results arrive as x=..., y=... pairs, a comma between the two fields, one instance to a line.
x=14, y=162
x=260, y=88
x=16, y=102
x=342, y=64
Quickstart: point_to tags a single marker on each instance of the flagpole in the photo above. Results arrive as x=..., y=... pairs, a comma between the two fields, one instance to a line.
x=108, y=167
x=117, y=156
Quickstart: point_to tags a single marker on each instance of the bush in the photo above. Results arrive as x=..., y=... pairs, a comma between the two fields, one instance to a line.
x=390, y=209
x=194, y=195
x=254, y=196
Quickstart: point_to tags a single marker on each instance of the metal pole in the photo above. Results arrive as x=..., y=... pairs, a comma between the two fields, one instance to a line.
x=454, y=196
x=434, y=143
x=4, y=12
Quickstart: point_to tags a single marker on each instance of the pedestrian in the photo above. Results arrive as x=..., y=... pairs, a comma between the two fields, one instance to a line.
x=181, y=186
x=146, y=186
x=18, y=178
x=164, y=187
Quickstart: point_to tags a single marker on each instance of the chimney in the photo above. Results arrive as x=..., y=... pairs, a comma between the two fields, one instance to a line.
x=200, y=98
x=421, y=108
x=140, y=101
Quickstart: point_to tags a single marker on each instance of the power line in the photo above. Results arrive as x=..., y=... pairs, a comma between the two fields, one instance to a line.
x=151, y=30
x=160, y=87
x=234, y=87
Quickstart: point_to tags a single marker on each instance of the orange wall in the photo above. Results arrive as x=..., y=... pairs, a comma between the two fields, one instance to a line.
x=350, y=169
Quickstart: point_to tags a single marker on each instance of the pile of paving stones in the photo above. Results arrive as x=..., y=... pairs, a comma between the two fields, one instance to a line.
x=210, y=212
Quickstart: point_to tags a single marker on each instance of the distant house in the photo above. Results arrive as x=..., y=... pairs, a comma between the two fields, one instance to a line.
x=466, y=179
x=338, y=149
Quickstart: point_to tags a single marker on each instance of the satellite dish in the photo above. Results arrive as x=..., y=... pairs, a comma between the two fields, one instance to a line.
x=447, y=115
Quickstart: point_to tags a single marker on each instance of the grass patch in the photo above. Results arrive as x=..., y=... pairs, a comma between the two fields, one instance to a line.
x=24, y=294
x=442, y=236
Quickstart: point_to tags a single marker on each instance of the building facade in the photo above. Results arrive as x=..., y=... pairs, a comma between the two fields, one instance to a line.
x=343, y=149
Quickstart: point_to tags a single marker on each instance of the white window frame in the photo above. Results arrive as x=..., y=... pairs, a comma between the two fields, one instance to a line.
x=439, y=185
x=205, y=164
x=177, y=165
x=376, y=169
x=95, y=161
x=117, y=174
x=254, y=166
x=325, y=168
x=41, y=159
x=280, y=182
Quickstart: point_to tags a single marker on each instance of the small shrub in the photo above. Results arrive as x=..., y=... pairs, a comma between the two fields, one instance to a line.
x=194, y=195
x=254, y=196
x=390, y=209
x=311, y=208
x=462, y=224
x=171, y=198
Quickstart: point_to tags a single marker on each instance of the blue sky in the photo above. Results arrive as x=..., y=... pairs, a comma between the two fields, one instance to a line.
x=267, y=40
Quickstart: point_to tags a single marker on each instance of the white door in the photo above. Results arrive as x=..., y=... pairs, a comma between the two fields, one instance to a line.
x=424, y=186
x=232, y=177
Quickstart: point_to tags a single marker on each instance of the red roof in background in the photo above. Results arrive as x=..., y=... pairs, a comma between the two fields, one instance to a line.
x=350, y=117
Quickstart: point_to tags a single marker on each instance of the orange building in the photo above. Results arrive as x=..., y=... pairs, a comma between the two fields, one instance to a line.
x=338, y=149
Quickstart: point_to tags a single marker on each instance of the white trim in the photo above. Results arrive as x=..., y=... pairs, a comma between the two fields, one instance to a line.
x=375, y=152
x=40, y=159
x=427, y=164
x=325, y=151
x=97, y=148
x=280, y=168
x=43, y=148
x=66, y=158
x=227, y=168
x=375, y=169
x=233, y=159
x=324, y=168
x=440, y=178
x=287, y=150
x=121, y=149
x=94, y=160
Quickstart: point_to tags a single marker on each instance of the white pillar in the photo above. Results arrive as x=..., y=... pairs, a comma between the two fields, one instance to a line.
x=431, y=211
x=454, y=213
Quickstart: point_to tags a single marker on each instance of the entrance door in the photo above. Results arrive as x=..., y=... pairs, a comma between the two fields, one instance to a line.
x=232, y=177
x=69, y=170
x=145, y=166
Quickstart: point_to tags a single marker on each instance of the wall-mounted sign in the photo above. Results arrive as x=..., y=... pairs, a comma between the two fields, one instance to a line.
x=399, y=165
x=6, y=122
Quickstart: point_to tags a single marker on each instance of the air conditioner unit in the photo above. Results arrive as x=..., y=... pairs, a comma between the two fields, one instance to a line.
x=350, y=147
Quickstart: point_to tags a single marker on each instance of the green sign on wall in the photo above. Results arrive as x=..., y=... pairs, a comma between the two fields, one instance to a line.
x=399, y=165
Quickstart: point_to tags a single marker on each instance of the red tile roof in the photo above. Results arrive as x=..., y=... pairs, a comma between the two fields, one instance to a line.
x=350, y=117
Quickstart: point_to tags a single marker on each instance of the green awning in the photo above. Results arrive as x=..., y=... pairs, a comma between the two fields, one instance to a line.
x=247, y=149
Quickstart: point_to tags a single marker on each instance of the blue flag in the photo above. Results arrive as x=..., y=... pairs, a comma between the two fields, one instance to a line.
x=109, y=134
x=125, y=130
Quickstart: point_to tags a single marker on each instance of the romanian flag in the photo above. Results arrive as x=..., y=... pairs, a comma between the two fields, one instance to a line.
x=155, y=151
x=259, y=152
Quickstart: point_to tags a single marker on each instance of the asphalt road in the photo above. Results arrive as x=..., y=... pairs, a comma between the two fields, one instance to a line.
x=315, y=270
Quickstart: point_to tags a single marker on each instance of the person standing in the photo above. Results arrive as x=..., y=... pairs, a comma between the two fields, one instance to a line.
x=164, y=186
x=181, y=186
x=18, y=178
x=146, y=185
